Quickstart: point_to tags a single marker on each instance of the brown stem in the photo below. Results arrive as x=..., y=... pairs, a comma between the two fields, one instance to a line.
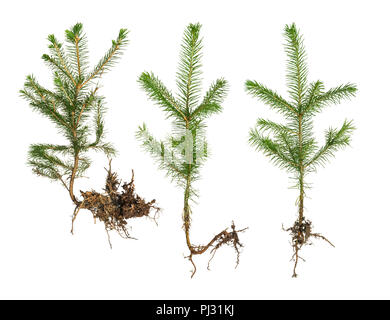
x=75, y=213
x=301, y=170
x=187, y=213
x=187, y=210
x=78, y=204
x=301, y=198
x=72, y=178
x=301, y=195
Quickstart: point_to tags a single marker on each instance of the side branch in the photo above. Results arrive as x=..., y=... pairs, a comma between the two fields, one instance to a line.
x=93, y=75
x=64, y=64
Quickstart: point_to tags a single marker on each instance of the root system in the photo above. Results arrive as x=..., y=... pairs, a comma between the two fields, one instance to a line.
x=301, y=234
x=225, y=237
x=114, y=207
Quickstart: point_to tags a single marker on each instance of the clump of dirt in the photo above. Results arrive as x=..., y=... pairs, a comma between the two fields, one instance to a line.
x=301, y=234
x=114, y=207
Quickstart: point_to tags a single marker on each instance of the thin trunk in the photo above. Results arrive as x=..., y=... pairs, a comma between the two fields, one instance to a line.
x=301, y=195
x=76, y=154
x=72, y=178
x=187, y=211
x=299, y=240
x=301, y=171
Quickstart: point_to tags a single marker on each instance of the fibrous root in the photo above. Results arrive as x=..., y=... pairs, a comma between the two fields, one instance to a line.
x=229, y=238
x=301, y=234
x=114, y=208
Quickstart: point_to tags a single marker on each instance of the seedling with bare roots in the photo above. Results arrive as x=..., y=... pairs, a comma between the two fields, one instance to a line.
x=292, y=145
x=185, y=150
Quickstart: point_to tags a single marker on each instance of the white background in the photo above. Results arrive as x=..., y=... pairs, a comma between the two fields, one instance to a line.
x=346, y=41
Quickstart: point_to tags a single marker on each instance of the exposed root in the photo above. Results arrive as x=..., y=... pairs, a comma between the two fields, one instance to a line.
x=75, y=213
x=114, y=207
x=229, y=238
x=301, y=233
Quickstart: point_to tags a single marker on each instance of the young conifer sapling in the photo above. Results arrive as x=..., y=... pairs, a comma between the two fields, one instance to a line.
x=185, y=150
x=292, y=145
x=77, y=110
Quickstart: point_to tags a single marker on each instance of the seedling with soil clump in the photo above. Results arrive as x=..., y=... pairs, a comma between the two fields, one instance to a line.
x=292, y=146
x=77, y=111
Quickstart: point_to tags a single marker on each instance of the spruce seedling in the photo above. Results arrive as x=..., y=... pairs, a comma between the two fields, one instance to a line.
x=185, y=150
x=292, y=145
x=77, y=111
